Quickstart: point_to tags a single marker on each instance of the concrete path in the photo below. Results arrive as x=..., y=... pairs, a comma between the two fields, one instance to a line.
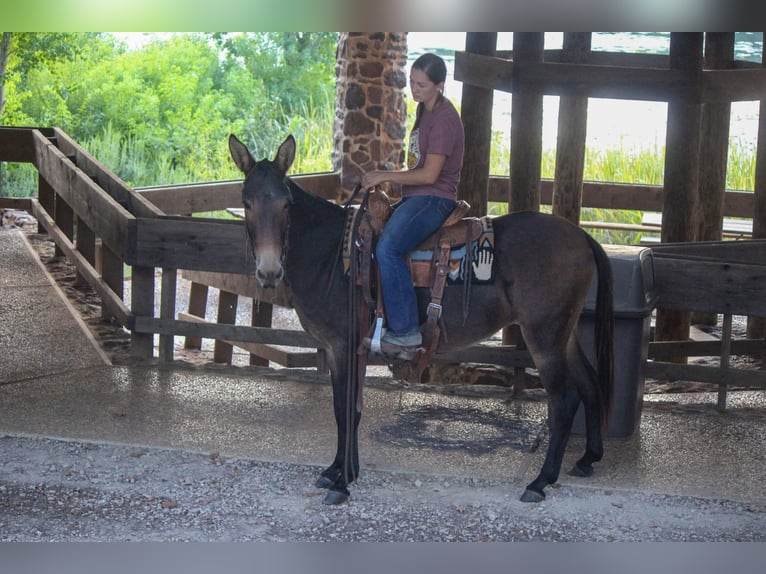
x=55, y=382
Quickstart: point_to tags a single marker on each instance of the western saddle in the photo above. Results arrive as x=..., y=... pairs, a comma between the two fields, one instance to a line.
x=456, y=230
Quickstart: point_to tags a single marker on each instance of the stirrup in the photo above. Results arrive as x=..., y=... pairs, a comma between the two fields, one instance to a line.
x=393, y=352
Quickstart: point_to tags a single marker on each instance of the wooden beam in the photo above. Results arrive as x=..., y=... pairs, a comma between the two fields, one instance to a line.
x=684, y=284
x=107, y=218
x=704, y=374
x=268, y=353
x=17, y=144
x=236, y=333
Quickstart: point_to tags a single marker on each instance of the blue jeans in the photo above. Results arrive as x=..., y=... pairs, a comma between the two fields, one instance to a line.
x=413, y=220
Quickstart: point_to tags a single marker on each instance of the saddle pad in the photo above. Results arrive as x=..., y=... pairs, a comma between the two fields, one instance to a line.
x=479, y=267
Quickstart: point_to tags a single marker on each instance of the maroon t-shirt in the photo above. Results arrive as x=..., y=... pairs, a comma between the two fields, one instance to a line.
x=440, y=131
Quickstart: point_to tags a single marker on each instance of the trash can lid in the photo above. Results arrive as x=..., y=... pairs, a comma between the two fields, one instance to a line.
x=633, y=280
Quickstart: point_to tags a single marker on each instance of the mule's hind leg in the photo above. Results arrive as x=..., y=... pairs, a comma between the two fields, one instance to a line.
x=584, y=377
x=563, y=400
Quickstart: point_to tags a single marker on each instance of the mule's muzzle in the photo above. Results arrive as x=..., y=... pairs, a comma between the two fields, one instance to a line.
x=269, y=279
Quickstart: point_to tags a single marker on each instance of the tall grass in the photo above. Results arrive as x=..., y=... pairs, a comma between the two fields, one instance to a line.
x=621, y=165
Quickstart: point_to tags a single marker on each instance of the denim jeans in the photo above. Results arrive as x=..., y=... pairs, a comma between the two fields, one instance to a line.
x=413, y=220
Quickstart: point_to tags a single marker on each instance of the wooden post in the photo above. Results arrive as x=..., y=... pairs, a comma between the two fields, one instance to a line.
x=476, y=112
x=714, y=145
x=680, y=213
x=756, y=326
x=142, y=305
x=86, y=244
x=47, y=198
x=526, y=127
x=570, y=143
x=64, y=217
x=168, y=311
x=526, y=148
x=113, y=272
x=261, y=314
x=197, y=307
x=227, y=314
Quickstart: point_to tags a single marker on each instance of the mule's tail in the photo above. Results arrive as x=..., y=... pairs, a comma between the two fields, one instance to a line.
x=604, y=329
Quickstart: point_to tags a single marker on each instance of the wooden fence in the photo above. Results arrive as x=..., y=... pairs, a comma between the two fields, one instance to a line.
x=102, y=225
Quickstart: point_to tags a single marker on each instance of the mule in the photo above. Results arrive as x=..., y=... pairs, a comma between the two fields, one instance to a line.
x=543, y=270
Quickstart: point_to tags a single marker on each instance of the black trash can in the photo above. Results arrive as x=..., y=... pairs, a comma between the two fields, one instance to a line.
x=634, y=300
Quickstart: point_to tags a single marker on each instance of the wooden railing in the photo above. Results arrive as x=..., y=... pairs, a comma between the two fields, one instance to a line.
x=102, y=225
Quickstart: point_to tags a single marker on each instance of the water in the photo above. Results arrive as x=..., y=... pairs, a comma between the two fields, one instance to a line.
x=622, y=124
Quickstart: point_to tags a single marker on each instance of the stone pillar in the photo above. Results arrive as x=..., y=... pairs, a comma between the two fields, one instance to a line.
x=370, y=110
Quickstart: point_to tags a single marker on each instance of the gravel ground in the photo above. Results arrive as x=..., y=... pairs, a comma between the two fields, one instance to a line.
x=57, y=490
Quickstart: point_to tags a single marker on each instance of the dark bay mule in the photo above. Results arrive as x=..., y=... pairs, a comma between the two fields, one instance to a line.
x=544, y=266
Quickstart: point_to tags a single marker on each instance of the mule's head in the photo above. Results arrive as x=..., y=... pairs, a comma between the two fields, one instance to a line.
x=266, y=198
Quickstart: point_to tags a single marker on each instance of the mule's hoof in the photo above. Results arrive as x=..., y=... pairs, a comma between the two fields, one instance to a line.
x=532, y=496
x=581, y=471
x=323, y=482
x=335, y=497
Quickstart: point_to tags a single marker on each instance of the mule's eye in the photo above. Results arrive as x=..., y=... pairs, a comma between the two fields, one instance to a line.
x=247, y=205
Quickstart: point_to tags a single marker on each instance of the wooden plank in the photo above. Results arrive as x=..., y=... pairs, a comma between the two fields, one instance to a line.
x=703, y=374
x=605, y=58
x=709, y=286
x=192, y=243
x=506, y=355
x=245, y=285
x=669, y=349
x=220, y=195
x=17, y=144
x=732, y=85
x=268, y=353
x=751, y=251
x=20, y=203
x=603, y=77
x=237, y=333
x=104, y=178
x=109, y=298
x=107, y=218
x=484, y=71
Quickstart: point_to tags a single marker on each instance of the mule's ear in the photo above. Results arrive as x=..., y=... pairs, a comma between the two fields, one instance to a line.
x=240, y=154
x=286, y=154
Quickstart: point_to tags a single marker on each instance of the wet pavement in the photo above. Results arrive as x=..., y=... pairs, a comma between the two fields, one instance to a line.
x=56, y=382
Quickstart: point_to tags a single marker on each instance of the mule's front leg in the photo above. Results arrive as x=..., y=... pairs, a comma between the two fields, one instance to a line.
x=345, y=466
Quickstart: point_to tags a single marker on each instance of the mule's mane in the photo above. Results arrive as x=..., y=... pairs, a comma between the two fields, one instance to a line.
x=314, y=207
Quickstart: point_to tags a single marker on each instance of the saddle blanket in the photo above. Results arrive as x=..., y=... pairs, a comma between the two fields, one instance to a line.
x=477, y=266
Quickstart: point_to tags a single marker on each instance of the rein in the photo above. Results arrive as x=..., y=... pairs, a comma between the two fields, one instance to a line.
x=354, y=377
